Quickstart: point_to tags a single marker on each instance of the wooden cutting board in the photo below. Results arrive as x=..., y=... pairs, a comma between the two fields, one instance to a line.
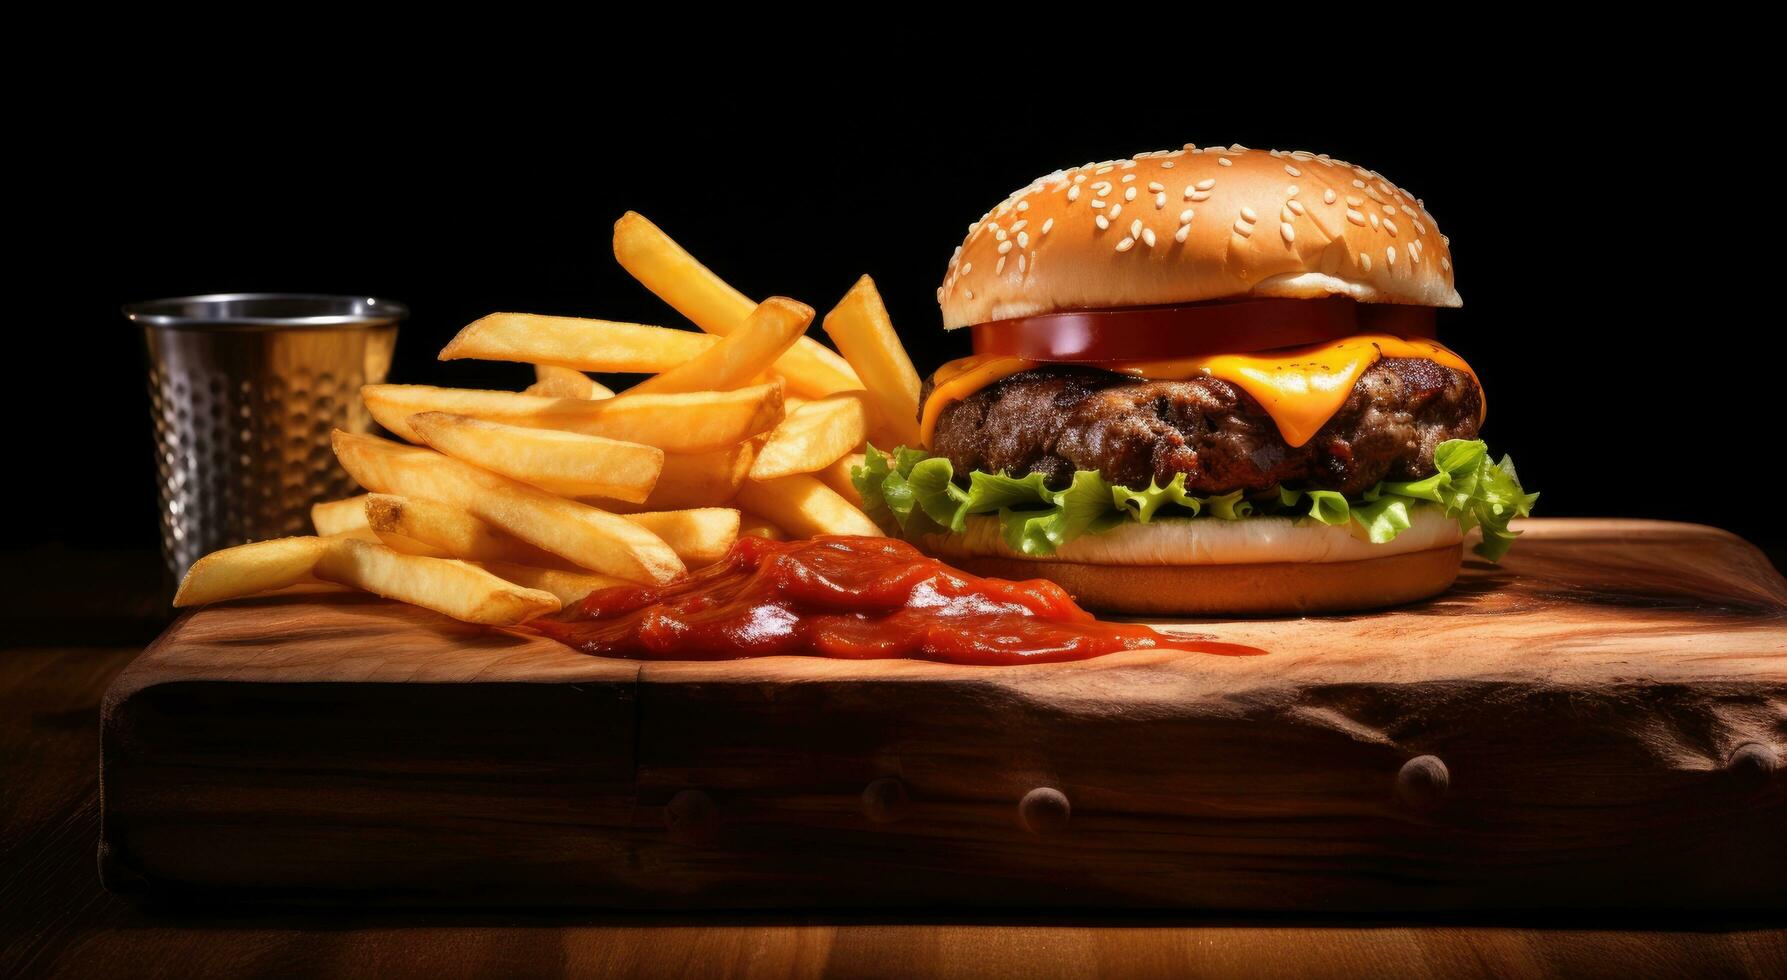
x=1599, y=721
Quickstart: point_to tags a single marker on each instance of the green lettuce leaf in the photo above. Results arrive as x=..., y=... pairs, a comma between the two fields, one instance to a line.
x=910, y=492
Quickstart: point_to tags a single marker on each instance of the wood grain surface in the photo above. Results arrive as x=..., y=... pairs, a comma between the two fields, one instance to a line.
x=56, y=920
x=1594, y=723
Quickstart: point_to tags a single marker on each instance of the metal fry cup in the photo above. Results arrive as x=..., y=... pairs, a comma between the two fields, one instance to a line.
x=245, y=389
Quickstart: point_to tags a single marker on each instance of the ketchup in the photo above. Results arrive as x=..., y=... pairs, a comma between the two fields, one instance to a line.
x=853, y=598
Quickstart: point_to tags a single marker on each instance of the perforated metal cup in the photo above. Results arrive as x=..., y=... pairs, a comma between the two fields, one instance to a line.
x=245, y=389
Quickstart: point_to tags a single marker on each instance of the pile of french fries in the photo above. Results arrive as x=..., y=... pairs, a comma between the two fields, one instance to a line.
x=500, y=506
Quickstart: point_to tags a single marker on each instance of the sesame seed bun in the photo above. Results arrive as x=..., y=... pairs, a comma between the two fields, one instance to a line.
x=1256, y=566
x=1192, y=225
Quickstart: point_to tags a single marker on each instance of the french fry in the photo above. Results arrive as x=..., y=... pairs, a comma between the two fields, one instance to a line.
x=837, y=477
x=570, y=587
x=814, y=436
x=465, y=592
x=699, y=535
x=566, y=463
x=665, y=268
x=249, y=569
x=397, y=542
x=803, y=506
x=583, y=535
x=552, y=381
x=337, y=516
x=859, y=325
x=753, y=348
x=586, y=345
x=752, y=526
x=683, y=422
x=691, y=480
x=450, y=530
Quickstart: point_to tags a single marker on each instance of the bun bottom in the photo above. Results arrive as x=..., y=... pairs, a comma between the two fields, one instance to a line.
x=1263, y=589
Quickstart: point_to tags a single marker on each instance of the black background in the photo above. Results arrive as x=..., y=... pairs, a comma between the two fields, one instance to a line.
x=1598, y=239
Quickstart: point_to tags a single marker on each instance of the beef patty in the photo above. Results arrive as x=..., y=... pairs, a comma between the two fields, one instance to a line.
x=1061, y=419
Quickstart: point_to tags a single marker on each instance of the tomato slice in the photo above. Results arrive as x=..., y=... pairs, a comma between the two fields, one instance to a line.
x=1148, y=333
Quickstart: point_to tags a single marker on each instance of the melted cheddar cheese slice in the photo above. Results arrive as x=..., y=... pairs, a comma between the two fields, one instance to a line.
x=1301, y=388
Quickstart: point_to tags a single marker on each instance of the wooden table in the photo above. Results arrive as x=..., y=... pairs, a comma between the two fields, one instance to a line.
x=56, y=920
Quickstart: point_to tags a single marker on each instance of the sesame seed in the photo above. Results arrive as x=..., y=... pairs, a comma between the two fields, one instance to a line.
x=1183, y=232
x=1390, y=226
x=1250, y=214
x=1414, y=257
x=1445, y=263
x=967, y=267
x=1243, y=229
x=1190, y=190
x=1200, y=196
x=1135, y=228
x=1292, y=190
x=1358, y=183
x=1020, y=264
x=1296, y=207
x=1126, y=244
x=999, y=235
x=1098, y=202
x=1103, y=186
x=999, y=267
x=1374, y=221
x=1020, y=226
x=1116, y=209
x=1355, y=217
x=1004, y=247
x=1409, y=211
x=1148, y=237
x=1328, y=196
x=1364, y=263
x=1446, y=240
x=1073, y=193
x=1155, y=186
x=1420, y=229
x=1160, y=200
x=1206, y=183
x=1289, y=233
x=1023, y=239
x=1101, y=222
x=970, y=293
x=1293, y=171
x=1390, y=254
x=1079, y=178
x=1185, y=216
x=1224, y=161
x=1166, y=164
x=1101, y=171
x=1127, y=164
x=1023, y=205
x=1389, y=210
x=1356, y=202
x=1046, y=225
x=1128, y=177
x=1129, y=195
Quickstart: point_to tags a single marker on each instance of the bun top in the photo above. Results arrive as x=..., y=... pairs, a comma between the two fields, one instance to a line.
x=1185, y=226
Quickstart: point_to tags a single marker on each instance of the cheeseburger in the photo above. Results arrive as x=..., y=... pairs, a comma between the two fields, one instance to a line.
x=1204, y=381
